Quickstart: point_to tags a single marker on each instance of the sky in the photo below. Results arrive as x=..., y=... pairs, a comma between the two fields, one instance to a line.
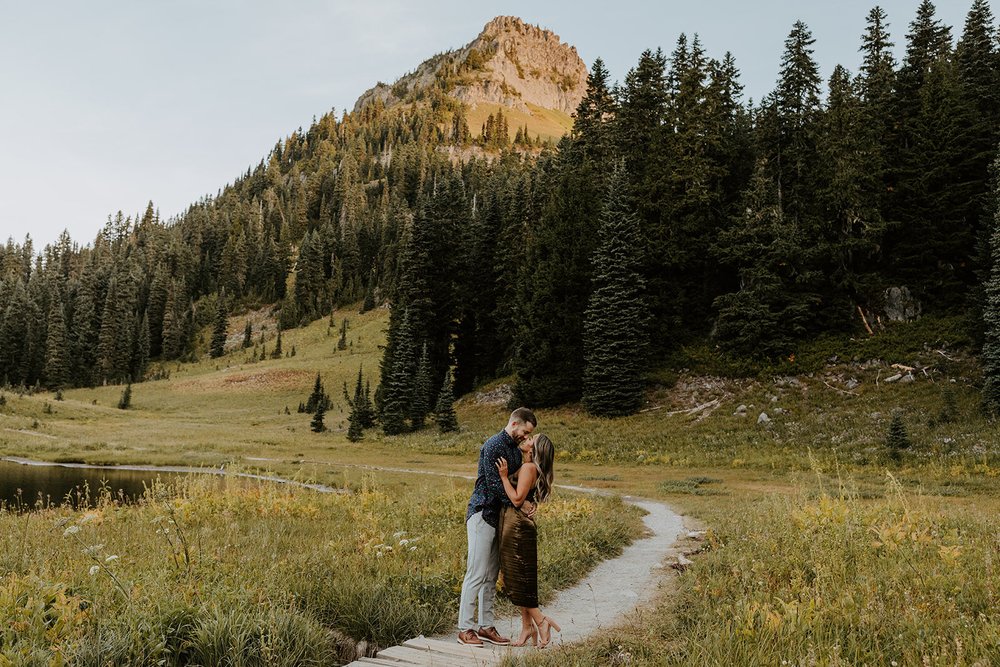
x=107, y=105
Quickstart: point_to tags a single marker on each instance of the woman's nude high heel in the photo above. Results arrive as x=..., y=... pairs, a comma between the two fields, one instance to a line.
x=531, y=634
x=545, y=631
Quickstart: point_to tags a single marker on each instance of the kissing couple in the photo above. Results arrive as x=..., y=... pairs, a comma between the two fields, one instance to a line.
x=515, y=474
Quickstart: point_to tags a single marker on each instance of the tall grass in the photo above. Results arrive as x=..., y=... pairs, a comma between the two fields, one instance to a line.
x=254, y=574
x=826, y=578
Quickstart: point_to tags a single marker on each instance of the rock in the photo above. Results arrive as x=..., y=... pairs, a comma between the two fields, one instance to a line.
x=851, y=384
x=774, y=399
x=907, y=378
x=900, y=305
x=696, y=535
x=740, y=411
x=779, y=411
x=893, y=378
x=683, y=562
x=763, y=418
x=499, y=396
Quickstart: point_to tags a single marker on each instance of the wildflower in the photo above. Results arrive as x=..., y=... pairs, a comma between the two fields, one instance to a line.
x=72, y=530
x=403, y=542
x=93, y=549
x=111, y=558
x=94, y=569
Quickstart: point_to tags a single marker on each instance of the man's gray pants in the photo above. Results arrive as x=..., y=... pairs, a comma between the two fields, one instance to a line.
x=481, y=569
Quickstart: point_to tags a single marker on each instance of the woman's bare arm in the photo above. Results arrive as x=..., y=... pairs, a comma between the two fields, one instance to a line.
x=525, y=480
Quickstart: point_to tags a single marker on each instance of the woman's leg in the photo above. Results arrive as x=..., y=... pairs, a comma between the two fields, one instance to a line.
x=528, y=630
x=545, y=625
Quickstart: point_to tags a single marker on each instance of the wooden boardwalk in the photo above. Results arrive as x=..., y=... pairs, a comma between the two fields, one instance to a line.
x=436, y=653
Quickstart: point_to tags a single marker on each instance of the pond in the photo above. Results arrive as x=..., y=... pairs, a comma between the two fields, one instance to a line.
x=27, y=484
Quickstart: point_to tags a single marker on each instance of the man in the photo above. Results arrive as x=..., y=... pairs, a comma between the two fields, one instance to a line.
x=483, y=563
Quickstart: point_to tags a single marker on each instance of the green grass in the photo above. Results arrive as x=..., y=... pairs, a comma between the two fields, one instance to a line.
x=261, y=573
x=794, y=506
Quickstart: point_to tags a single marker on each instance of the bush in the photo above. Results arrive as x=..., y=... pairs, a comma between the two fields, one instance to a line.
x=897, y=439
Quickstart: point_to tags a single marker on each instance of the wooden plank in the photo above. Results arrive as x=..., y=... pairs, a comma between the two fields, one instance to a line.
x=418, y=656
x=372, y=662
x=461, y=650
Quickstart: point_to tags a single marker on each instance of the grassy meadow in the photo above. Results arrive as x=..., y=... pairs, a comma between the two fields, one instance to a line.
x=824, y=547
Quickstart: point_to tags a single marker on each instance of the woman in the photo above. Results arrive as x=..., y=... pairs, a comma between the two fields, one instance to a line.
x=519, y=538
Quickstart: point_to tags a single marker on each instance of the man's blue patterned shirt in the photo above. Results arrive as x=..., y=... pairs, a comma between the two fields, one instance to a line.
x=488, y=493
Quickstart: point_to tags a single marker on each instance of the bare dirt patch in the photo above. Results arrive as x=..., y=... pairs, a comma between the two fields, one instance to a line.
x=255, y=380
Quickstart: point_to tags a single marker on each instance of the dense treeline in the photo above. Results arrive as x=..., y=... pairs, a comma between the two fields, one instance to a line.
x=674, y=210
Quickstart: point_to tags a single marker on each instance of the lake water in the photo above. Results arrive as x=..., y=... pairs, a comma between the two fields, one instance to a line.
x=25, y=484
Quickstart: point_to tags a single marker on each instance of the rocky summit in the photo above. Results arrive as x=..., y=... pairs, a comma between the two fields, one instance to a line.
x=511, y=64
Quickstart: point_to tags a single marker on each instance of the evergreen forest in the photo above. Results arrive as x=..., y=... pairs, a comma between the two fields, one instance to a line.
x=676, y=210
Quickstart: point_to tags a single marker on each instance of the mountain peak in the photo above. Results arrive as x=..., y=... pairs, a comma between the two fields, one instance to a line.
x=511, y=63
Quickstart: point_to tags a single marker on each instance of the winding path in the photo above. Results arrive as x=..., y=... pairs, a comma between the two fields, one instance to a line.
x=604, y=598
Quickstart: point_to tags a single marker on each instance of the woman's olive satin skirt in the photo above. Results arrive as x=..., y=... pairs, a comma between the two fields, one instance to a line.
x=519, y=557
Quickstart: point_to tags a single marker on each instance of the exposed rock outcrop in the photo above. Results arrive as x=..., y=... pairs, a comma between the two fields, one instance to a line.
x=511, y=63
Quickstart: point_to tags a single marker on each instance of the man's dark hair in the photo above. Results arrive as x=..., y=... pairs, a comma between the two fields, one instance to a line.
x=524, y=415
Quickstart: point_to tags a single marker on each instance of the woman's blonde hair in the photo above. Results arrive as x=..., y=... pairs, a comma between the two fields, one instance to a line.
x=544, y=458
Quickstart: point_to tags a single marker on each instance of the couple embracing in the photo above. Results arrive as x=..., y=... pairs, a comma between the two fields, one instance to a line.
x=515, y=474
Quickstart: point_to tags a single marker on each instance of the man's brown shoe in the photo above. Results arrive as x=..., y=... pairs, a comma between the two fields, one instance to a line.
x=469, y=638
x=491, y=635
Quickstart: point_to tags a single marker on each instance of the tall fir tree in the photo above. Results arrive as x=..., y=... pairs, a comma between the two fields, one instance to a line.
x=990, y=357
x=399, y=365
x=764, y=315
x=140, y=359
x=317, y=425
x=218, y=346
x=58, y=371
x=617, y=317
x=444, y=410
x=420, y=404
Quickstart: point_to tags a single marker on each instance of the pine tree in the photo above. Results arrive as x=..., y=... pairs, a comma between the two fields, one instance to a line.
x=248, y=336
x=342, y=343
x=276, y=352
x=848, y=195
x=897, y=439
x=399, y=365
x=125, y=402
x=615, y=337
x=355, y=432
x=990, y=357
x=420, y=403
x=57, y=362
x=949, y=406
x=317, y=397
x=766, y=313
x=444, y=410
x=367, y=409
x=316, y=424
x=219, y=332
x=140, y=359
x=356, y=419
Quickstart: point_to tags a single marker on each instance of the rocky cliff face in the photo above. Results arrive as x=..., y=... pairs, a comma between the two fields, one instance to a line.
x=511, y=63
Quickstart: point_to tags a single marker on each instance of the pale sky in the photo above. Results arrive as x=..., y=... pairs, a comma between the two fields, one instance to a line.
x=109, y=104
